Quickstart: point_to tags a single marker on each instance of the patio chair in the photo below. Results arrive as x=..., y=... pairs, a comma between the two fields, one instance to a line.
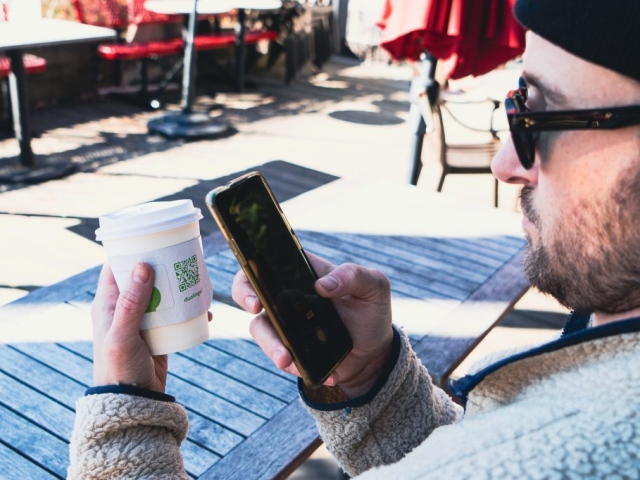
x=470, y=155
x=475, y=146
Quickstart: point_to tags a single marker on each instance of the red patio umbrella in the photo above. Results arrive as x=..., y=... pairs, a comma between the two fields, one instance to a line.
x=475, y=35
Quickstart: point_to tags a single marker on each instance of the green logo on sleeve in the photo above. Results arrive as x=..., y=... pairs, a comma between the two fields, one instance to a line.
x=156, y=298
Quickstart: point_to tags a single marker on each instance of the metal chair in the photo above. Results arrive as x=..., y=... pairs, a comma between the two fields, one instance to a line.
x=433, y=114
x=467, y=156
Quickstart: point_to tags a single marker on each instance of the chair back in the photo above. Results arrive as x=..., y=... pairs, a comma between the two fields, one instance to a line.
x=102, y=13
x=466, y=122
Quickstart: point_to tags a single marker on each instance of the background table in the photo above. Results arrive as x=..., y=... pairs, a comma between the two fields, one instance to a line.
x=189, y=124
x=455, y=270
x=15, y=38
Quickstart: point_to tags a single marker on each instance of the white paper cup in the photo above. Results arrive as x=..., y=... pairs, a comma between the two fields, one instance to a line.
x=166, y=235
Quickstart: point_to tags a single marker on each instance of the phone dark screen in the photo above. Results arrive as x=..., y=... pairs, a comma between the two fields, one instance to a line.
x=309, y=322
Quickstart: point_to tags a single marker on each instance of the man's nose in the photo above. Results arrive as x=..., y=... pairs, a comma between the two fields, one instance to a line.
x=507, y=168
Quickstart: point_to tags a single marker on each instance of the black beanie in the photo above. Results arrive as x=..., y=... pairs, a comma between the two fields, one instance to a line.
x=606, y=32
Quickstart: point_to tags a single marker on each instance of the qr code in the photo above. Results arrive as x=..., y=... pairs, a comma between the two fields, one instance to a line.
x=187, y=273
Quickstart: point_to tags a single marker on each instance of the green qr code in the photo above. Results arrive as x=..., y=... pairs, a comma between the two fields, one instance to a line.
x=187, y=273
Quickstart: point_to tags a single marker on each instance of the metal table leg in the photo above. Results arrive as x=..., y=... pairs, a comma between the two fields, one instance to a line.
x=187, y=123
x=20, y=107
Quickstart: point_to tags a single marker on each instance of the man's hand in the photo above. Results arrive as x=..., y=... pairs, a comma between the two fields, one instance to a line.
x=362, y=297
x=120, y=355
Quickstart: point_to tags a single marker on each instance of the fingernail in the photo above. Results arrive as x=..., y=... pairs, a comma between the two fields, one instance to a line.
x=141, y=274
x=250, y=302
x=329, y=283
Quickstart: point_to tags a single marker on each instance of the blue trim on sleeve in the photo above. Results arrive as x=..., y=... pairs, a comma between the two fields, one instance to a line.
x=464, y=385
x=130, y=390
x=367, y=397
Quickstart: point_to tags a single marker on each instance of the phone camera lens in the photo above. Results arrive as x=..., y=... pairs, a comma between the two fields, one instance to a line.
x=320, y=335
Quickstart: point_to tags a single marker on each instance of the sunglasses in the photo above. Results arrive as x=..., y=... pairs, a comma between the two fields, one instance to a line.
x=525, y=126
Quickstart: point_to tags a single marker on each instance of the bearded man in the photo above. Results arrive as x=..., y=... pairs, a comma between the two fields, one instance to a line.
x=564, y=409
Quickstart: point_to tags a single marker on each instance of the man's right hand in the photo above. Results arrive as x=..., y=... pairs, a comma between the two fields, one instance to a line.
x=362, y=297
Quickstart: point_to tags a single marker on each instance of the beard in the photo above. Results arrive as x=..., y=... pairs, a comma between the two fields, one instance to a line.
x=591, y=261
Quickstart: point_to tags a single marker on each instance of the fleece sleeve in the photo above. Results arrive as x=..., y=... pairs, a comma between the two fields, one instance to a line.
x=126, y=436
x=381, y=431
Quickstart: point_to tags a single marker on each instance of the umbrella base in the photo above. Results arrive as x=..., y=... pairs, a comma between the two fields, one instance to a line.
x=189, y=125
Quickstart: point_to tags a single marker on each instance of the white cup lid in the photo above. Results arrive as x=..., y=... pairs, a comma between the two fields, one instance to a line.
x=147, y=218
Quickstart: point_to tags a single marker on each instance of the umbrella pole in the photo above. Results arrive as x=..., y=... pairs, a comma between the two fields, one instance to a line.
x=423, y=92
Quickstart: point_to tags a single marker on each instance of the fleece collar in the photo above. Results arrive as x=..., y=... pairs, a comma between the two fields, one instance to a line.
x=574, y=332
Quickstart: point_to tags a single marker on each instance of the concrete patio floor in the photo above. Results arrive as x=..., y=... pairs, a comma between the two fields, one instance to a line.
x=348, y=120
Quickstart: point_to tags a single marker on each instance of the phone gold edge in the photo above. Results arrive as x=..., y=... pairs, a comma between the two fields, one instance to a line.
x=270, y=314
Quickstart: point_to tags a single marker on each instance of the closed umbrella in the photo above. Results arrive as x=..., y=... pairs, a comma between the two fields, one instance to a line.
x=475, y=36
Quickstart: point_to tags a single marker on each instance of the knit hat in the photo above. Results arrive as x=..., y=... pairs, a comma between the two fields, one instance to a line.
x=606, y=32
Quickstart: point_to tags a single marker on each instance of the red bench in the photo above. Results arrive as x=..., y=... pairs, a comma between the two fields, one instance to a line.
x=120, y=14
x=32, y=64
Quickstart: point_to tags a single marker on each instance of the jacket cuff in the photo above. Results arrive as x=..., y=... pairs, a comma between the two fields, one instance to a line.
x=130, y=390
x=127, y=436
x=402, y=411
x=331, y=400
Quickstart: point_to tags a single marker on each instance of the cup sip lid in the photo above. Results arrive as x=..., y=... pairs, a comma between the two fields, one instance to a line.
x=147, y=218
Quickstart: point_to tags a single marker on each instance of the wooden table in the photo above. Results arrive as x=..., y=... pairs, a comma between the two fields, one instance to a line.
x=455, y=270
x=15, y=37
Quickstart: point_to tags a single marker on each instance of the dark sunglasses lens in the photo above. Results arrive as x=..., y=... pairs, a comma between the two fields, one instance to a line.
x=524, y=143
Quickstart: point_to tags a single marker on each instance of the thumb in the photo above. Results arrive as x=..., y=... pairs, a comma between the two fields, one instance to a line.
x=354, y=280
x=133, y=301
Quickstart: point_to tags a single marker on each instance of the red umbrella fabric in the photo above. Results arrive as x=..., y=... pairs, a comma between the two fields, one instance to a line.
x=475, y=35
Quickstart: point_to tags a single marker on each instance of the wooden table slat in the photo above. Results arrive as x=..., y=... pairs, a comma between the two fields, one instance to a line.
x=475, y=251
x=381, y=254
x=41, y=447
x=15, y=465
x=41, y=377
x=250, y=351
x=225, y=387
x=274, y=451
x=39, y=409
x=210, y=435
x=401, y=280
x=212, y=407
x=196, y=459
x=424, y=253
x=60, y=359
x=243, y=371
x=57, y=293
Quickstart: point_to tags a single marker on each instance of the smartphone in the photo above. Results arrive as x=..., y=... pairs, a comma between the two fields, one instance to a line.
x=275, y=263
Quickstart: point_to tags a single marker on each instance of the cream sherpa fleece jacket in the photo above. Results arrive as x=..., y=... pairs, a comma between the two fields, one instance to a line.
x=567, y=409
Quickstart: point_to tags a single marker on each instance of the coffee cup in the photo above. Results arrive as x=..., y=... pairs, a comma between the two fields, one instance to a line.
x=166, y=235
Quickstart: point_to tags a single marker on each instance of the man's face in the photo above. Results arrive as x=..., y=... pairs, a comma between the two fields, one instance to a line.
x=581, y=199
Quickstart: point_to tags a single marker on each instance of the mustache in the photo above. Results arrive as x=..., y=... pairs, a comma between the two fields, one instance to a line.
x=526, y=204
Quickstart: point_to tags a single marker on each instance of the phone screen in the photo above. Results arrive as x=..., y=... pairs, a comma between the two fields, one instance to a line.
x=309, y=322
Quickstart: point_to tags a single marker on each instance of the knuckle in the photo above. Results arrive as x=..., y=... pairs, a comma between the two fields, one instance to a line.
x=379, y=280
x=130, y=301
x=350, y=271
x=254, y=326
x=238, y=289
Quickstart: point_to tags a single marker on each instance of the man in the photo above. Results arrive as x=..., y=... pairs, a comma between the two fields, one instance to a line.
x=563, y=409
